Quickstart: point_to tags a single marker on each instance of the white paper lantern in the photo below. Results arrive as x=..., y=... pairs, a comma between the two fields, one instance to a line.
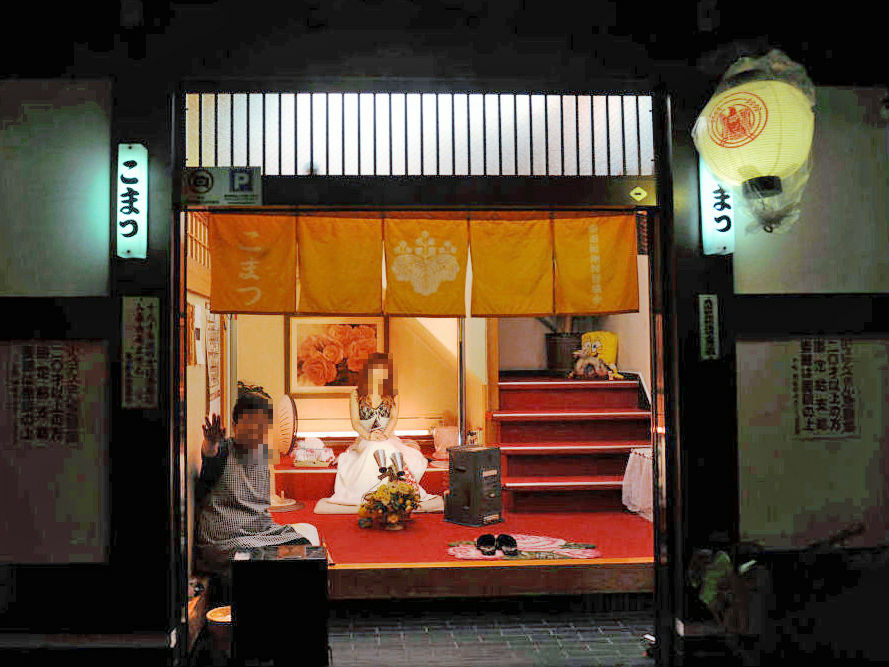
x=754, y=130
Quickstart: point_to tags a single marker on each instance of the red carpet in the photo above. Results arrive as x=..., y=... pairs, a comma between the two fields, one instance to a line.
x=617, y=535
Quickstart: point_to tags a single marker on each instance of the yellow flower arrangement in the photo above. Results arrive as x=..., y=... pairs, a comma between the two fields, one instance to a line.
x=388, y=505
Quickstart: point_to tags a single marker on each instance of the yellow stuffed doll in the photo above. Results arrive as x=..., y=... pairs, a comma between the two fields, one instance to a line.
x=597, y=356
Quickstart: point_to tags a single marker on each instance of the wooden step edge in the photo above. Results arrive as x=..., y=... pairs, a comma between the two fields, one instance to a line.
x=553, y=483
x=518, y=385
x=626, y=442
x=547, y=449
x=332, y=471
x=568, y=415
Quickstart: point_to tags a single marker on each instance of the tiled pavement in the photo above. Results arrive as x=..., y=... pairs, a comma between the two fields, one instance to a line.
x=491, y=639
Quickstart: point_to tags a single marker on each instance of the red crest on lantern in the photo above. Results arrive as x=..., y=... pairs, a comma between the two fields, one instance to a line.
x=738, y=119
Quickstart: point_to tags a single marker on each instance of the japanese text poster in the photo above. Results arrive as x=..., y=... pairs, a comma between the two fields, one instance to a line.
x=140, y=351
x=813, y=440
x=823, y=383
x=214, y=379
x=53, y=451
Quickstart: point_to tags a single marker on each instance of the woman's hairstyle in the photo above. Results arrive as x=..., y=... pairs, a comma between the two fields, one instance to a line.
x=244, y=388
x=252, y=401
x=376, y=360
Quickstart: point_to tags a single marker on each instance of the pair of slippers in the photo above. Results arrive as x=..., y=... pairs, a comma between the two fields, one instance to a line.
x=488, y=545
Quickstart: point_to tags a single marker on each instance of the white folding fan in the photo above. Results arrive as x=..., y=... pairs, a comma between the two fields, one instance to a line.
x=286, y=423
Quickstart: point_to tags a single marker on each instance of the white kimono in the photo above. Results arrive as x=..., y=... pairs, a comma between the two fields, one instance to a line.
x=357, y=469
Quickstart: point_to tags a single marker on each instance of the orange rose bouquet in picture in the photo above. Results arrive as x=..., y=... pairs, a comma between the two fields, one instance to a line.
x=335, y=356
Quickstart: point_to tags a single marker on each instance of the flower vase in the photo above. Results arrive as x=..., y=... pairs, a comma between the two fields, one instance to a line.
x=403, y=518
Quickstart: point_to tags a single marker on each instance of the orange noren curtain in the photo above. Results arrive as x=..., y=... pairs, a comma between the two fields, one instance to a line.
x=524, y=263
x=595, y=263
x=512, y=263
x=340, y=264
x=253, y=264
x=426, y=264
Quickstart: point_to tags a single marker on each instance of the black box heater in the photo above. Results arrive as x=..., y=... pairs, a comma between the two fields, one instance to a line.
x=474, y=498
x=280, y=606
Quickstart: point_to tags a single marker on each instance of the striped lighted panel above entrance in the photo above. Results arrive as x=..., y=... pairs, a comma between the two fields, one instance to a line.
x=414, y=134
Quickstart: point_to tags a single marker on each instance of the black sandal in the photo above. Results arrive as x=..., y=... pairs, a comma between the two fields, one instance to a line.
x=486, y=544
x=507, y=544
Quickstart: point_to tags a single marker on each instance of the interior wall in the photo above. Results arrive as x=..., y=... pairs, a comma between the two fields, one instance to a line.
x=195, y=413
x=634, y=330
x=424, y=352
x=475, y=346
x=523, y=346
x=261, y=355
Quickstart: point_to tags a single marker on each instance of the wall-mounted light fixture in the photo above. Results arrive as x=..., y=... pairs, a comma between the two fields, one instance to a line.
x=132, y=201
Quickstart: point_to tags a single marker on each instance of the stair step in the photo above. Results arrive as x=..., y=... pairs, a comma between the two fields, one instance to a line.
x=565, y=484
x=536, y=385
x=566, y=448
x=569, y=415
x=598, y=429
x=568, y=394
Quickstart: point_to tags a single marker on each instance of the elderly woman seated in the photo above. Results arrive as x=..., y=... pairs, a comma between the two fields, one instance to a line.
x=374, y=413
x=233, y=493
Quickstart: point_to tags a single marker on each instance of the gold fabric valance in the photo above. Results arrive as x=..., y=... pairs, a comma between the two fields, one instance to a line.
x=595, y=263
x=523, y=263
x=426, y=264
x=340, y=264
x=512, y=264
x=252, y=264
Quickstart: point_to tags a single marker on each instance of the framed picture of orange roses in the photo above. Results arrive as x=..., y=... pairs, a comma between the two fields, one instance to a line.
x=327, y=354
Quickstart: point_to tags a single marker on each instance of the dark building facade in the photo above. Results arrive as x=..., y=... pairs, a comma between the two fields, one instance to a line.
x=151, y=53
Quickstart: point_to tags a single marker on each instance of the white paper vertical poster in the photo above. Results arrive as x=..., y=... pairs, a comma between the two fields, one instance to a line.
x=200, y=334
x=825, y=398
x=708, y=320
x=214, y=370
x=140, y=351
x=53, y=451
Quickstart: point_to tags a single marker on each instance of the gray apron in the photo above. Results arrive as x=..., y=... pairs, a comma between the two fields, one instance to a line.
x=236, y=514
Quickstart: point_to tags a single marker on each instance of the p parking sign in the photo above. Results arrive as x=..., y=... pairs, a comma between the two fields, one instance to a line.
x=222, y=186
x=241, y=180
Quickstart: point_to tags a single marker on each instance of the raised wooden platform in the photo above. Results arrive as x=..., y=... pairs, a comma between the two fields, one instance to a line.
x=487, y=579
x=564, y=448
x=414, y=563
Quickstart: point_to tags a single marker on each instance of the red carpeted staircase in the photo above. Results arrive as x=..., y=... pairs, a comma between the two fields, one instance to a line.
x=564, y=443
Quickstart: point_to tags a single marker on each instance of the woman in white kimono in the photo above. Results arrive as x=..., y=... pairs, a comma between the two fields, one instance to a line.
x=374, y=413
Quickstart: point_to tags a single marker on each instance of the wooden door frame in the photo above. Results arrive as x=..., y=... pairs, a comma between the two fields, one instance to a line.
x=492, y=386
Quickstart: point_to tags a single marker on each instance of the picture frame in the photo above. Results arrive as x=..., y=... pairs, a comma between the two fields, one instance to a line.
x=326, y=354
